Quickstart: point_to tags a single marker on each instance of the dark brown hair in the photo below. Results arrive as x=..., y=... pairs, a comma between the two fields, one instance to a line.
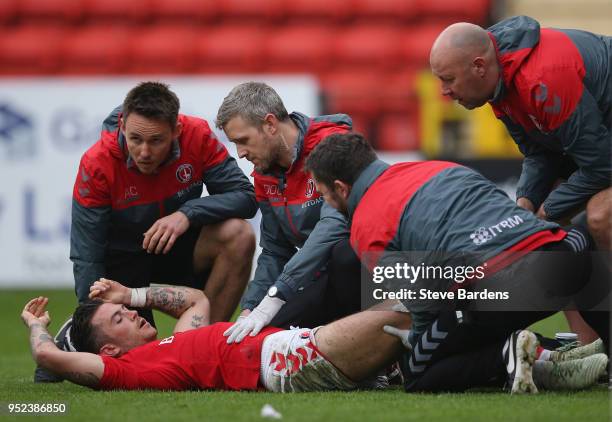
x=152, y=100
x=340, y=157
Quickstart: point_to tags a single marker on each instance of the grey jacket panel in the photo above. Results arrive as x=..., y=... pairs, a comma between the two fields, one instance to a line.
x=87, y=246
x=276, y=252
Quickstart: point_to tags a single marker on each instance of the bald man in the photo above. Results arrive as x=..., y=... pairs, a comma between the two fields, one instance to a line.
x=552, y=88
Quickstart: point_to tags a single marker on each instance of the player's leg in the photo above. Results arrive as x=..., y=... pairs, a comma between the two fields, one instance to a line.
x=578, y=325
x=357, y=344
x=599, y=218
x=482, y=367
x=225, y=250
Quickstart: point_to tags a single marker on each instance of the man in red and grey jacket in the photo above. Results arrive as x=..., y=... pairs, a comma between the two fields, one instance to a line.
x=137, y=211
x=447, y=210
x=306, y=258
x=552, y=88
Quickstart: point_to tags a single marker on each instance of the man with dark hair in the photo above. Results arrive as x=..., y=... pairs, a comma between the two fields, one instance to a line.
x=445, y=208
x=119, y=350
x=305, y=271
x=138, y=214
x=84, y=337
x=137, y=210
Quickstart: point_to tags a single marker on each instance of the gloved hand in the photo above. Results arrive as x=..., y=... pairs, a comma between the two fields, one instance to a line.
x=255, y=321
x=403, y=335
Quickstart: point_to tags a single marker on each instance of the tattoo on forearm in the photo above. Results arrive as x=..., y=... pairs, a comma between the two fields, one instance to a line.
x=38, y=337
x=83, y=378
x=171, y=300
x=197, y=321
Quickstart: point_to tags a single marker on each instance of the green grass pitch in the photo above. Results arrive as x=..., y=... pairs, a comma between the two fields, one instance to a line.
x=16, y=386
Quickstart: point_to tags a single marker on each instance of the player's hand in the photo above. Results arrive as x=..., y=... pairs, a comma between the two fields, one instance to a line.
x=35, y=312
x=163, y=233
x=244, y=313
x=255, y=321
x=525, y=203
x=110, y=291
x=402, y=335
x=541, y=213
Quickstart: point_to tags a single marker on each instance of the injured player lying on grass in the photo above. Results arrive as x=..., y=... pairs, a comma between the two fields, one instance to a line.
x=117, y=349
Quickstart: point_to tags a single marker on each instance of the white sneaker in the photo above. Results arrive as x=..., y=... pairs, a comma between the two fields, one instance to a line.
x=571, y=374
x=578, y=352
x=519, y=355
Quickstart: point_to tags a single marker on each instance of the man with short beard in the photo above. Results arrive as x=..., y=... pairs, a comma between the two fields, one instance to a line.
x=308, y=284
x=445, y=214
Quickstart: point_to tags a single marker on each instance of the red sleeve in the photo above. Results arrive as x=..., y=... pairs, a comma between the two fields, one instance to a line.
x=146, y=367
x=117, y=375
x=91, y=187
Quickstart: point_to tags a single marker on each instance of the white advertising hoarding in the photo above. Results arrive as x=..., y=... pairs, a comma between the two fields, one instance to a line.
x=46, y=125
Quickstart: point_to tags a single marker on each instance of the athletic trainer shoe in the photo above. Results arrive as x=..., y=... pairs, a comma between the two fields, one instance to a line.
x=519, y=355
x=570, y=374
x=578, y=352
x=62, y=341
x=395, y=375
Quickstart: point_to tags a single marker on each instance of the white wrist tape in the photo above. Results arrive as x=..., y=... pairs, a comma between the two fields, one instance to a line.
x=139, y=297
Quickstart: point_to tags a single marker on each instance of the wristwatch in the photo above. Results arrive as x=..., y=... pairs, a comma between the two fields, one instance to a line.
x=273, y=292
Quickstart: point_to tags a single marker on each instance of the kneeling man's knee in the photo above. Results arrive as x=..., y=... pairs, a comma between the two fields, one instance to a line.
x=598, y=214
x=238, y=235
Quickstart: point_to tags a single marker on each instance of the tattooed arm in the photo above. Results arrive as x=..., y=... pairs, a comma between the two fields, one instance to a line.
x=80, y=368
x=189, y=306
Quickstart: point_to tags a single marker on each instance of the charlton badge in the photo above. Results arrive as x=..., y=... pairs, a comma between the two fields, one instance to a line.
x=184, y=173
x=310, y=188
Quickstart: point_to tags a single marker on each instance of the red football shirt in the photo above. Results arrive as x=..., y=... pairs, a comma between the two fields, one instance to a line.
x=196, y=359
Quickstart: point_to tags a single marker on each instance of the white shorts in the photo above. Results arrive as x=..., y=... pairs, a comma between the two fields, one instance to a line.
x=291, y=363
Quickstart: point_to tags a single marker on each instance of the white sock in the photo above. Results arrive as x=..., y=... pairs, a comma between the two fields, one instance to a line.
x=545, y=355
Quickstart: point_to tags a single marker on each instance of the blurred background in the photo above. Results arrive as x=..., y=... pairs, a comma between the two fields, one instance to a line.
x=65, y=64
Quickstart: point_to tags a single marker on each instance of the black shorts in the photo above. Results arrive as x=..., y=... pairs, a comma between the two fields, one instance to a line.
x=139, y=269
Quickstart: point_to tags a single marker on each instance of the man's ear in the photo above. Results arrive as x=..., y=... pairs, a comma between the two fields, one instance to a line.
x=270, y=124
x=110, y=349
x=122, y=125
x=479, y=65
x=342, y=189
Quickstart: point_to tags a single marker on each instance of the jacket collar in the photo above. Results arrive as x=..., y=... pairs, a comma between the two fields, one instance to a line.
x=363, y=182
x=303, y=124
x=500, y=91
